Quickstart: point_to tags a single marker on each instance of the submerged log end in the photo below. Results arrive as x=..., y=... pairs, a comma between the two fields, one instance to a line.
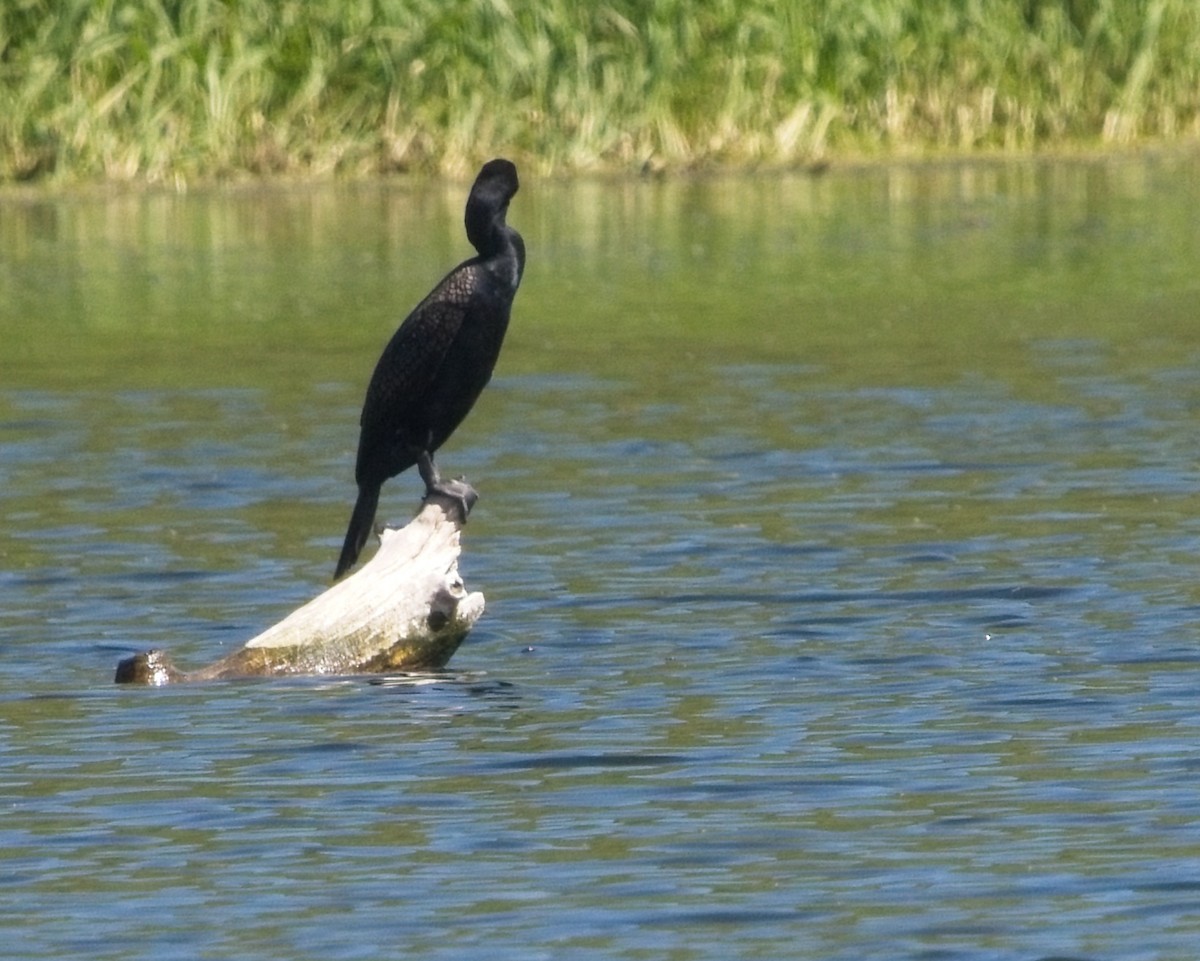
x=405, y=609
x=152, y=668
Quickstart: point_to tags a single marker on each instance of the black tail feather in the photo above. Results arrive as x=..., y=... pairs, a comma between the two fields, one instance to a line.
x=361, y=522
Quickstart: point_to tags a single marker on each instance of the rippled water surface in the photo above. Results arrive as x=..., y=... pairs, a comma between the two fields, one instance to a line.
x=839, y=539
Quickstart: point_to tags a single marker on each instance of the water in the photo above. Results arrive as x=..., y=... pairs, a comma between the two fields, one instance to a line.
x=839, y=538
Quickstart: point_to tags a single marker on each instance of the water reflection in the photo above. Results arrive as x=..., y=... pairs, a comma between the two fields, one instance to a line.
x=837, y=537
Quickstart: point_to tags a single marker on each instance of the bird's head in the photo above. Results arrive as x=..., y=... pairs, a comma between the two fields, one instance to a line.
x=494, y=187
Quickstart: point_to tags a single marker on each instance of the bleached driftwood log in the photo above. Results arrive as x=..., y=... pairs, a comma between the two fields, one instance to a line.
x=405, y=609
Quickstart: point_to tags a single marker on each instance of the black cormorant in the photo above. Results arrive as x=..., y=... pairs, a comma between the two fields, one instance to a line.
x=440, y=359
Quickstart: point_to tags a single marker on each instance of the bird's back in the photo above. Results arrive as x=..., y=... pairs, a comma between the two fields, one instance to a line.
x=433, y=369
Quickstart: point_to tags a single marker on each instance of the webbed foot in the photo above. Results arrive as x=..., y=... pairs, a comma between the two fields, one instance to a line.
x=456, y=490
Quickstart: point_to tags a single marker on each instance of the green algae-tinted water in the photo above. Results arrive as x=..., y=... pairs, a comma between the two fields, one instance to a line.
x=839, y=538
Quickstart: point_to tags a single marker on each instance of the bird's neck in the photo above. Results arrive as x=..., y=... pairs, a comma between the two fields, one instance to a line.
x=504, y=255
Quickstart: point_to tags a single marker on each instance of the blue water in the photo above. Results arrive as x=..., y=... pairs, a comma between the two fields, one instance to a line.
x=884, y=651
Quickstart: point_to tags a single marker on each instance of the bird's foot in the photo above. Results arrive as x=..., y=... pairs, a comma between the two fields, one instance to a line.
x=458, y=491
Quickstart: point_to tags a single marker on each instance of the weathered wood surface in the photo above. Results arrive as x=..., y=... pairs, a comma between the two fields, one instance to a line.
x=405, y=609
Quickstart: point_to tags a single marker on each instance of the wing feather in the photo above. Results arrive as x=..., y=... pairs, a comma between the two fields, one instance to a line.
x=409, y=365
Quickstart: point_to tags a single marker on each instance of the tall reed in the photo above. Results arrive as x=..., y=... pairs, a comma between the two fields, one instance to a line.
x=163, y=89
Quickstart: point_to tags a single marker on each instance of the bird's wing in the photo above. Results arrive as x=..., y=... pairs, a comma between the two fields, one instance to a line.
x=410, y=361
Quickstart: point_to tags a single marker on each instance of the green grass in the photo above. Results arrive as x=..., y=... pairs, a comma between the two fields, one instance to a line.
x=170, y=90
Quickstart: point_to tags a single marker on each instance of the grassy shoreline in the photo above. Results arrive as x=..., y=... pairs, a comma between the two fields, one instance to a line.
x=179, y=91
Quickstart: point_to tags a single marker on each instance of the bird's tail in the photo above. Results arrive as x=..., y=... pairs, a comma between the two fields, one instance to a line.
x=361, y=521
